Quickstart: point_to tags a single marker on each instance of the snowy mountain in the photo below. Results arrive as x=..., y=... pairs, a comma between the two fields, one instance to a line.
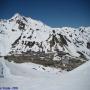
x=21, y=34
x=23, y=39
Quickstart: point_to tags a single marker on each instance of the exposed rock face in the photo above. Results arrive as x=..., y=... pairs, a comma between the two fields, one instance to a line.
x=66, y=63
x=88, y=45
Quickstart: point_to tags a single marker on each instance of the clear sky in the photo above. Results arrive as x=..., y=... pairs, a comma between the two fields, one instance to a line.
x=55, y=13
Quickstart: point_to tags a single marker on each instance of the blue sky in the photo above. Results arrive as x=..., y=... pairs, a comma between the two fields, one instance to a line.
x=55, y=13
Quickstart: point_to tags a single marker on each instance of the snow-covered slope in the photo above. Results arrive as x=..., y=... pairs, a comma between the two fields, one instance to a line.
x=29, y=76
x=77, y=79
x=22, y=34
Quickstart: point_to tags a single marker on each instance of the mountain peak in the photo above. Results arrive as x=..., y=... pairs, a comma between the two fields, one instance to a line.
x=17, y=15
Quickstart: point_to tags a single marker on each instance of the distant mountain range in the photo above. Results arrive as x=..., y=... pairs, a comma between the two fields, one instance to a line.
x=23, y=35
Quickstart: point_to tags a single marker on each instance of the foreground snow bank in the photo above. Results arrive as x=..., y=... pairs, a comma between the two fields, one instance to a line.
x=78, y=79
x=29, y=76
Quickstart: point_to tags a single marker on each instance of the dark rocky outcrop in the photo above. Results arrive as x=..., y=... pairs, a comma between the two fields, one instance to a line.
x=21, y=25
x=88, y=45
x=16, y=42
x=66, y=63
x=63, y=41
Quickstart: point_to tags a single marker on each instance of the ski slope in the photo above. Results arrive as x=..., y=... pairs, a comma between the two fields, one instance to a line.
x=29, y=76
